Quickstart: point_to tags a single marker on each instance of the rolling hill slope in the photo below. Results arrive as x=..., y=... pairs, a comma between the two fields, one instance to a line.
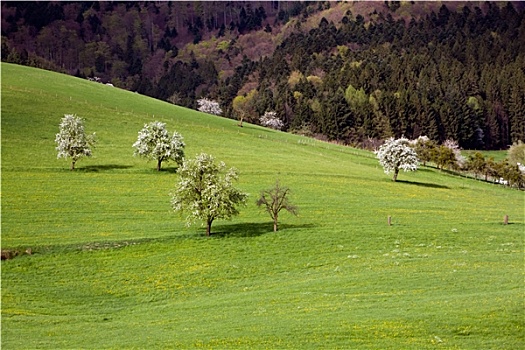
x=113, y=267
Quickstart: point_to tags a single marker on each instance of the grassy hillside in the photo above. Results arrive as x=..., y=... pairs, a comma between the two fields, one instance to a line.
x=114, y=268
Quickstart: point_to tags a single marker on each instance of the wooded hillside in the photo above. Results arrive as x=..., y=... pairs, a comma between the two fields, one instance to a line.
x=347, y=72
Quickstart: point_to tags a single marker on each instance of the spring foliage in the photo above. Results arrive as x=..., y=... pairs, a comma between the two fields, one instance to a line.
x=516, y=153
x=205, y=191
x=154, y=142
x=397, y=154
x=72, y=140
x=244, y=106
x=459, y=159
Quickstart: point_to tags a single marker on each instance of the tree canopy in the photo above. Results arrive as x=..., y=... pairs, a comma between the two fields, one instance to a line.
x=205, y=191
x=154, y=142
x=396, y=154
x=516, y=153
x=72, y=140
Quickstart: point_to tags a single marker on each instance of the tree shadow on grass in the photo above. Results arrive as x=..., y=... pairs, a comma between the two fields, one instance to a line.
x=251, y=229
x=426, y=169
x=105, y=167
x=169, y=169
x=423, y=184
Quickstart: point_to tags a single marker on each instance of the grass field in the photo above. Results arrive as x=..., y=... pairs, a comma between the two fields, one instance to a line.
x=113, y=267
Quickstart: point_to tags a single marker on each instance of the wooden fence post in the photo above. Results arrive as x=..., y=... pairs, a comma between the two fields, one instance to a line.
x=506, y=220
x=389, y=220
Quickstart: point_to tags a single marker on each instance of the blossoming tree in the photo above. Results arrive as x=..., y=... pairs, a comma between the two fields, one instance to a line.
x=209, y=106
x=397, y=154
x=72, y=141
x=269, y=119
x=205, y=191
x=155, y=142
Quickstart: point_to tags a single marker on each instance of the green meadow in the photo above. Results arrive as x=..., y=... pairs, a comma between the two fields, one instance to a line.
x=112, y=267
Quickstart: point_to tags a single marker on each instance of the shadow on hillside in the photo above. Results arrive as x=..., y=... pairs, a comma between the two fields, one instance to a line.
x=251, y=229
x=169, y=169
x=422, y=184
x=105, y=167
x=427, y=169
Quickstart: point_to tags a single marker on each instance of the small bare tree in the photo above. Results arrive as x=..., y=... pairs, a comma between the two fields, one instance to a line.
x=274, y=200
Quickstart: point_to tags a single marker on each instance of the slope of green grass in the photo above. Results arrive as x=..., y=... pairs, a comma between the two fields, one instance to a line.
x=113, y=267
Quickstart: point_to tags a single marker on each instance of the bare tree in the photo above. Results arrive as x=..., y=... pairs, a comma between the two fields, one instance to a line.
x=274, y=200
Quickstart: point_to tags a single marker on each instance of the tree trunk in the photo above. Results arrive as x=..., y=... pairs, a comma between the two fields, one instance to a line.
x=396, y=172
x=275, y=225
x=208, y=227
x=159, y=162
x=72, y=166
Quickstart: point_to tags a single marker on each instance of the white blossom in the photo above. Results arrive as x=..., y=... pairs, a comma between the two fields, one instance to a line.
x=154, y=142
x=203, y=193
x=269, y=119
x=209, y=106
x=421, y=140
x=454, y=146
x=521, y=167
x=72, y=141
x=397, y=154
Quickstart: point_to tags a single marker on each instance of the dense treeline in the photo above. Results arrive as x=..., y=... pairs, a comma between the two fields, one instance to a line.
x=124, y=41
x=458, y=73
x=451, y=75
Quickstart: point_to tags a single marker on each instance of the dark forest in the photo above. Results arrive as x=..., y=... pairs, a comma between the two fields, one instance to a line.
x=337, y=71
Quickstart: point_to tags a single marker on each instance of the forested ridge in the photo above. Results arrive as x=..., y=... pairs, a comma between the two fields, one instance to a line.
x=346, y=72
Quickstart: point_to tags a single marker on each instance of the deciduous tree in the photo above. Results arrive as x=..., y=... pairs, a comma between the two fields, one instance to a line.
x=155, y=142
x=460, y=160
x=476, y=163
x=72, y=140
x=205, y=191
x=424, y=148
x=516, y=153
x=269, y=119
x=244, y=106
x=444, y=157
x=274, y=200
x=209, y=106
x=397, y=154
